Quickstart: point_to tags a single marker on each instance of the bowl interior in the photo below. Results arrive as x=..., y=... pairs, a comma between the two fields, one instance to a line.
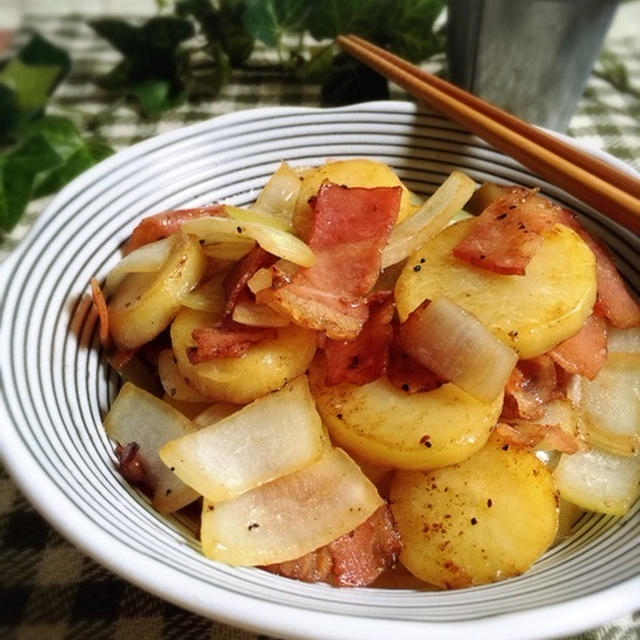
x=56, y=388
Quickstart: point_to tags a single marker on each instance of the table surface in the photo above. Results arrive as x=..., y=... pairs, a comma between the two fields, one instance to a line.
x=49, y=589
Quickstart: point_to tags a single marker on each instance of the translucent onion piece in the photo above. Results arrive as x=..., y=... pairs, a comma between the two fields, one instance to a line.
x=137, y=416
x=146, y=259
x=291, y=516
x=623, y=340
x=209, y=296
x=610, y=404
x=261, y=279
x=278, y=197
x=258, y=315
x=458, y=347
x=271, y=437
x=173, y=383
x=599, y=481
x=229, y=250
x=279, y=243
x=214, y=413
x=430, y=219
x=247, y=215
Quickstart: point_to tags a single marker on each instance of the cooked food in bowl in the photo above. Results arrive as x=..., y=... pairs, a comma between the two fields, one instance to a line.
x=342, y=379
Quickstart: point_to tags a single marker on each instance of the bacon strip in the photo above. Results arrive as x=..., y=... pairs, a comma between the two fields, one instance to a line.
x=236, y=280
x=586, y=352
x=355, y=559
x=531, y=385
x=227, y=339
x=163, y=224
x=528, y=435
x=100, y=305
x=614, y=302
x=508, y=232
x=131, y=467
x=364, y=359
x=350, y=227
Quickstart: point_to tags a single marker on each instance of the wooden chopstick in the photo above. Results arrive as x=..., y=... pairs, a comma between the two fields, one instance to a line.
x=614, y=193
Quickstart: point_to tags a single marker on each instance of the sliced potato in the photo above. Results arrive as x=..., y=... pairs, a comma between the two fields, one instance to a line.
x=485, y=519
x=275, y=435
x=267, y=366
x=145, y=303
x=137, y=416
x=358, y=172
x=599, y=481
x=530, y=313
x=390, y=428
x=291, y=516
x=611, y=405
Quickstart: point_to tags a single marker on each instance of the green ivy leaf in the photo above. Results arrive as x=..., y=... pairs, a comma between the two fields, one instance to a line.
x=9, y=110
x=330, y=18
x=18, y=169
x=15, y=193
x=40, y=52
x=31, y=84
x=350, y=81
x=408, y=28
x=268, y=20
x=150, y=69
x=82, y=158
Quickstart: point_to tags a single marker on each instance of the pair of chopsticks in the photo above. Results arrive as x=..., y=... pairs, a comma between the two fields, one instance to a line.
x=612, y=192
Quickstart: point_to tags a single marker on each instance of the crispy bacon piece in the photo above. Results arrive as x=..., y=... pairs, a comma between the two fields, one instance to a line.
x=364, y=359
x=131, y=466
x=100, y=305
x=508, y=232
x=531, y=385
x=227, y=339
x=236, y=280
x=586, y=352
x=528, y=435
x=163, y=224
x=355, y=559
x=349, y=229
x=614, y=301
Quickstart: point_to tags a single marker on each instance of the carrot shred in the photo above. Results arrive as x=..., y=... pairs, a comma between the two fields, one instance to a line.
x=100, y=305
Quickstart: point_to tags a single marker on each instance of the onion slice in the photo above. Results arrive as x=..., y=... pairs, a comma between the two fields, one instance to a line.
x=137, y=416
x=430, y=219
x=599, y=481
x=453, y=343
x=279, y=243
x=275, y=435
x=279, y=196
x=291, y=516
x=146, y=259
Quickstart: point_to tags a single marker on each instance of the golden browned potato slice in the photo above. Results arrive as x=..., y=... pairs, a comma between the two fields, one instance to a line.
x=291, y=516
x=483, y=520
x=531, y=313
x=145, y=303
x=358, y=172
x=388, y=427
x=267, y=366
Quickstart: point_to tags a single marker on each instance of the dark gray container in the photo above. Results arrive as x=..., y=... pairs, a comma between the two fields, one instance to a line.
x=530, y=57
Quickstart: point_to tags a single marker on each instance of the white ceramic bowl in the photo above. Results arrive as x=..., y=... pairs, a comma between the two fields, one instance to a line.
x=55, y=388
